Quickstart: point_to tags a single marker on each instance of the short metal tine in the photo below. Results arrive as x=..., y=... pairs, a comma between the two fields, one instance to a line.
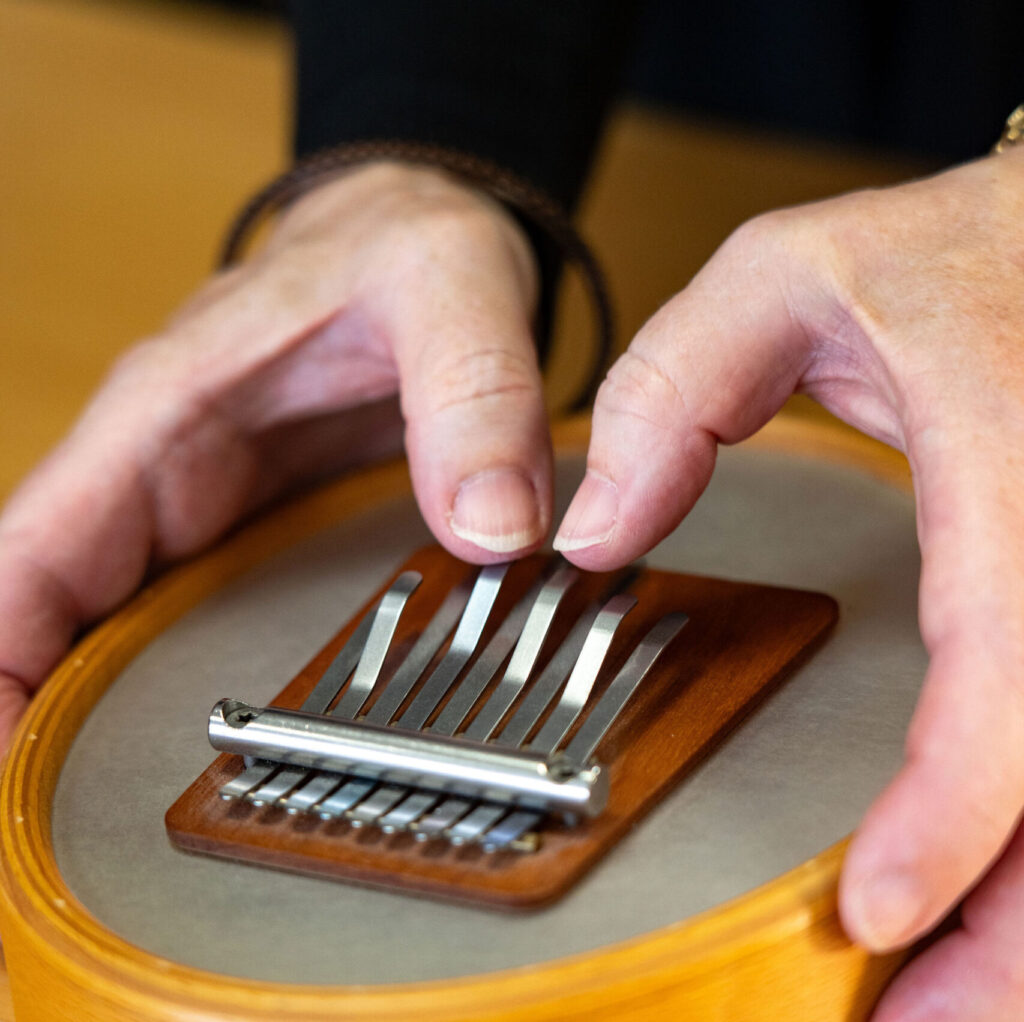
x=471, y=827
x=344, y=799
x=486, y=667
x=584, y=674
x=510, y=830
x=546, y=687
x=450, y=810
x=277, y=787
x=251, y=777
x=315, y=790
x=385, y=621
x=372, y=809
x=464, y=643
x=340, y=668
x=626, y=682
x=410, y=809
x=423, y=651
x=520, y=667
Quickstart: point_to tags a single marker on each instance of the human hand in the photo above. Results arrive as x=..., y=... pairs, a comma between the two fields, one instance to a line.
x=902, y=311
x=390, y=279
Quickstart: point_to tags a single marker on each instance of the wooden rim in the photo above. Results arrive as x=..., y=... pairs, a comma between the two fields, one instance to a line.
x=42, y=921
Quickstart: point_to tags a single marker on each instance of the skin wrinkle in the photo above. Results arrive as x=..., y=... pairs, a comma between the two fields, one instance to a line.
x=463, y=382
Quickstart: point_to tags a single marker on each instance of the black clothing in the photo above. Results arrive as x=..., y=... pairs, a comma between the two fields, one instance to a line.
x=527, y=83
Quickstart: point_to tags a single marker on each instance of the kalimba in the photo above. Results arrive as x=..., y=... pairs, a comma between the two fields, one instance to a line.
x=719, y=904
x=427, y=742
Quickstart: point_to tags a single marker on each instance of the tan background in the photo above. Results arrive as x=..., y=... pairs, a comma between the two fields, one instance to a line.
x=130, y=132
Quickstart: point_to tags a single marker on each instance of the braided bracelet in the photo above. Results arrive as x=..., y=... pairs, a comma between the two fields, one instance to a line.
x=531, y=204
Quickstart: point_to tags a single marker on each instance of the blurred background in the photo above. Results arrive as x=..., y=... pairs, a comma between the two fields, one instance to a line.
x=131, y=130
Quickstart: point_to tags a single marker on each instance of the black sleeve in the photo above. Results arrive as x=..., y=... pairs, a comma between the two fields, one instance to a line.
x=525, y=83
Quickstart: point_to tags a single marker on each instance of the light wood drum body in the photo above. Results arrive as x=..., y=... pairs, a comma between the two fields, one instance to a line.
x=720, y=906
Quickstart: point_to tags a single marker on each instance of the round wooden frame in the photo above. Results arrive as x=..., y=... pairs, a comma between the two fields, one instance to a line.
x=775, y=953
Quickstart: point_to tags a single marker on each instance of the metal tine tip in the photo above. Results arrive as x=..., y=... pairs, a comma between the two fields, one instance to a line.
x=524, y=659
x=464, y=643
x=584, y=674
x=626, y=682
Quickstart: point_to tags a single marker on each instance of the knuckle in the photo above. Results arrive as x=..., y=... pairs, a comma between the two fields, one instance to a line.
x=486, y=376
x=639, y=388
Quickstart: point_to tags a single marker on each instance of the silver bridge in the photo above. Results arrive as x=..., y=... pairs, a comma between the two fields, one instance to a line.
x=485, y=785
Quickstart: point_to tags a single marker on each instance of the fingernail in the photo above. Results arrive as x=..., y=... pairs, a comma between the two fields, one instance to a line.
x=591, y=516
x=497, y=510
x=887, y=910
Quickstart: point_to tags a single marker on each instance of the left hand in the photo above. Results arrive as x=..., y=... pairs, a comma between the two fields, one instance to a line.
x=902, y=311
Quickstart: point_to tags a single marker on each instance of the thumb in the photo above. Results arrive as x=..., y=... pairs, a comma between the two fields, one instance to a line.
x=476, y=427
x=713, y=365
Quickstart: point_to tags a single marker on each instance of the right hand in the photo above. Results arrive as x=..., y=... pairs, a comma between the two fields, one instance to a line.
x=389, y=280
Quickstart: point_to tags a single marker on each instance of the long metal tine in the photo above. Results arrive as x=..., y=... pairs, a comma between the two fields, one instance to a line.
x=584, y=674
x=385, y=621
x=544, y=689
x=484, y=669
x=520, y=667
x=626, y=682
x=464, y=643
x=423, y=651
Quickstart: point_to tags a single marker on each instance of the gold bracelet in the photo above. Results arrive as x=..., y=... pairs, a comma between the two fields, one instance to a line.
x=1013, y=133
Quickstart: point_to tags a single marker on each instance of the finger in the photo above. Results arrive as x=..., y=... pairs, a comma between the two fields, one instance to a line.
x=476, y=427
x=954, y=804
x=159, y=465
x=712, y=365
x=976, y=974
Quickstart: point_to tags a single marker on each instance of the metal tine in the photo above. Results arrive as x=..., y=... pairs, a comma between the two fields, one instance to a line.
x=543, y=690
x=471, y=827
x=508, y=831
x=408, y=811
x=370, y=810
x=584, y=674
x=317, y=701
x=422, y=652
x=486, y=667
x=446, y=814
x=316, y=789
x=348, y=795
x=464, y=643
x=520, y=667
x=626, y=682
x=383, y=631
x=371, y=659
